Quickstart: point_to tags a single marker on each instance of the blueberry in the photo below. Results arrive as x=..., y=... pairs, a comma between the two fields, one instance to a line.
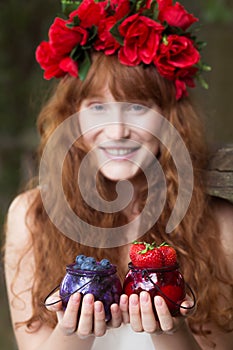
x=76, y=267
x=90, y=260
x=86, y=266
x=105, y=263
x=80, y=259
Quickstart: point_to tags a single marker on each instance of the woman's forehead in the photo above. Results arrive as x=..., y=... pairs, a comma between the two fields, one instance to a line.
x=105, y=96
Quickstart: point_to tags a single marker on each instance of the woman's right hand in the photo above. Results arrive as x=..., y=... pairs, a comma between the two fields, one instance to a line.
x=92, y=316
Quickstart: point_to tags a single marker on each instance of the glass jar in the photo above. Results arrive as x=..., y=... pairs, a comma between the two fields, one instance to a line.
x=168, y=282
x=103, y=284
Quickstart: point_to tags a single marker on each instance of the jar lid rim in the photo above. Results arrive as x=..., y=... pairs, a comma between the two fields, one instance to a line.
x=153, y=269
x=109, y=271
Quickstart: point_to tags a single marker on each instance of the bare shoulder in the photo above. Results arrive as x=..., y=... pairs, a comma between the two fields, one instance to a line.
x=224, y=214
x=16, y=228
x=223, y=211
x=19, y=263
x=18, y=238
x=21, y=203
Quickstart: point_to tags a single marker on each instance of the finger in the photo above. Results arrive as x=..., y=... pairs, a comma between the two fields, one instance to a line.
x=124, y=306
x=68, y=319
x=164, y=316
x=99, y=319
x=189, y=304
x=116, y=316
x=53, y=302
x=134, y=313
x=85, y=325
x=149, y=323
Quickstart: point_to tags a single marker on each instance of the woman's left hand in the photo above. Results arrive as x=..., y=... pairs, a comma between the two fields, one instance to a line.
x=138, y=311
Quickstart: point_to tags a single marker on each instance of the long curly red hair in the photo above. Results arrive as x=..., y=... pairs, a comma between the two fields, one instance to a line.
x=195, y=238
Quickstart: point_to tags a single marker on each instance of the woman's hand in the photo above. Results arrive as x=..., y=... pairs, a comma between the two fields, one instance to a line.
x=84, y=317
x=138, y=311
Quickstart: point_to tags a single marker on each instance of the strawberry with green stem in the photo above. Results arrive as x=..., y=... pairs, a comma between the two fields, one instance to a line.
x=146, y=255
x=169, y=254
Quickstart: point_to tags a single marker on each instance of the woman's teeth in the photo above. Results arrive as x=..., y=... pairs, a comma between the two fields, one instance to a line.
x=120, y=152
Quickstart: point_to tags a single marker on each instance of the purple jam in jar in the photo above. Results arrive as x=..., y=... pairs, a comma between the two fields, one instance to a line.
x=104, y=284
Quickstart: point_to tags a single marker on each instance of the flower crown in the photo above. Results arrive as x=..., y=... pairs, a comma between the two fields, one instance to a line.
x=147, y=32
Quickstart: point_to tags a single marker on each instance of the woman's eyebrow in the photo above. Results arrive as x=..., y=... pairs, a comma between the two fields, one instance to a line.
x=94, y=97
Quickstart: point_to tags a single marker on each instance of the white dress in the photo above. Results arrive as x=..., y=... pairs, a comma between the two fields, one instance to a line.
x=123, y=338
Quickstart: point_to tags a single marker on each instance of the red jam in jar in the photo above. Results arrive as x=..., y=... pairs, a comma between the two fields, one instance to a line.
x=104, y=284
x=168, y=282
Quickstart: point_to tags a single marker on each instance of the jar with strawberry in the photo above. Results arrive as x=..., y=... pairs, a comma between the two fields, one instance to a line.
x=155, y=269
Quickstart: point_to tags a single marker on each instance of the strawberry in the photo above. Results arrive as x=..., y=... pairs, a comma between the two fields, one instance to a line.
x=168, y=253
x=145, y=255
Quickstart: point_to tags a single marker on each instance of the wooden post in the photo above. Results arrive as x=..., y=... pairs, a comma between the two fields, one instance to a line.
x=220, y=173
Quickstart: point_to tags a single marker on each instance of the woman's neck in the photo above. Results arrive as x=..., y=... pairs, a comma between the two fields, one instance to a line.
x=132, y=210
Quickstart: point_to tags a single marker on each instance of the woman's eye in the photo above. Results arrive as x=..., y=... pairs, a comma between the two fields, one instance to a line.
x=97, y=107
x=137, y=108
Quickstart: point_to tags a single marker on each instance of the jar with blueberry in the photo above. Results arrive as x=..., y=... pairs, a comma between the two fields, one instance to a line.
x=87, y=275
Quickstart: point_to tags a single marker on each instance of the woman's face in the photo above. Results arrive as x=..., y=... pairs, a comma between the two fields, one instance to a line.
x=121, y=134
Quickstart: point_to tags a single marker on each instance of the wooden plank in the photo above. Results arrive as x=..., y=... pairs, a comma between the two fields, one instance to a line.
x=222, y=159
x=220, y=184
x=220, y=173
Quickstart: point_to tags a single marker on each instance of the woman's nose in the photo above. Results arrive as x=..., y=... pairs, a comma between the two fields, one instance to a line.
x=117, y=127
x=117, y=130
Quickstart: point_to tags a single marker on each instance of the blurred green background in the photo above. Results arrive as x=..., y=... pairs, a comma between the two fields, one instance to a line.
x=22, y=89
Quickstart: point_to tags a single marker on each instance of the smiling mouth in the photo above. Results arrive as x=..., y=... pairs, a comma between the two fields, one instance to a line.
x=120, y=152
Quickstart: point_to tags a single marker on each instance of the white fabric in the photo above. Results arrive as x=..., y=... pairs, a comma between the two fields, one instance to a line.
x=123, y=338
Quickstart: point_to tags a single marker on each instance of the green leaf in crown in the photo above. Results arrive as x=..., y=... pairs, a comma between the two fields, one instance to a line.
x=69, y=6
x=84, y=66
x=115, y=32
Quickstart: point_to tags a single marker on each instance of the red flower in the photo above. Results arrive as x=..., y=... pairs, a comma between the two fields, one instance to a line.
x=164, y=3
x=141, y=40
x=177, y=53
x=54, y=65
x=63, y=39
x=48, y=61
x=89, y=12
x=177, y=16
x=122, y=9
x=69, y=66
x=181, y=89
x=187, y=75
x=105, y=39
x=184, y=78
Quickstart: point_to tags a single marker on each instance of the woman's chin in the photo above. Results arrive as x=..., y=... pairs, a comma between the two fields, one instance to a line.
x=120, y=172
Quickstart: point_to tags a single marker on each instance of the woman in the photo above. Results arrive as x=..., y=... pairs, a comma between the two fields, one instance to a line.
x=37, y=251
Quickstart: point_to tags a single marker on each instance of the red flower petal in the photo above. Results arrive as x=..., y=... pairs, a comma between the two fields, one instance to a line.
x=177, y=16
x=69, y=66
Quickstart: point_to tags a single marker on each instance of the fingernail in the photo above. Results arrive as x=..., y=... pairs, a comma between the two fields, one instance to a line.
x=158, y=301
x=51, y=300
x=144, y=297
x=98, y=307
x=134, y=299
x=75, y=297
x=187, y=304
x=88, y=299
x=124, y=299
